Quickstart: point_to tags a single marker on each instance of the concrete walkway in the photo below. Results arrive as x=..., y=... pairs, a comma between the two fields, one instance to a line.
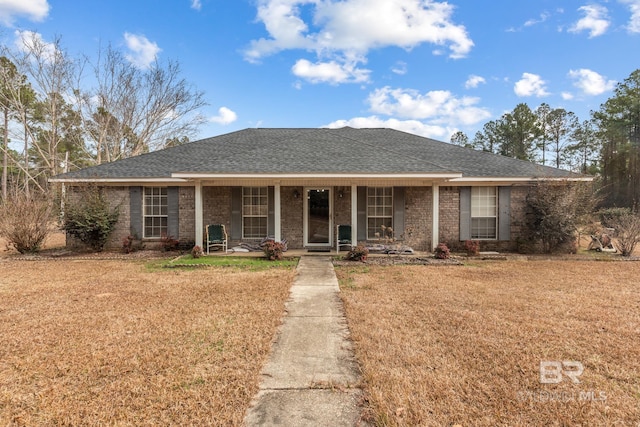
x=312, y=377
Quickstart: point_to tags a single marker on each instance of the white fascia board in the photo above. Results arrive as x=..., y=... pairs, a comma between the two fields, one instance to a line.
x=191, y=175
x=119, y=180
x=518, y=179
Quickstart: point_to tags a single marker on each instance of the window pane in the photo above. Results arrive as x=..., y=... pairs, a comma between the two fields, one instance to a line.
x=484, y=212
x=483, y=228
x=379, y=211
x=254, y=212
x=155, y=212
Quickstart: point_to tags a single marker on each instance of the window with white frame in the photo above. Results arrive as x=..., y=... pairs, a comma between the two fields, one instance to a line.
x=155, y=212
x=379, y=212
x=484, y=213
x=254, y=212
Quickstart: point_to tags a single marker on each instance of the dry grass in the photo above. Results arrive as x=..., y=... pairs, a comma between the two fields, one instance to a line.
x=112, y=343
x=463, y=345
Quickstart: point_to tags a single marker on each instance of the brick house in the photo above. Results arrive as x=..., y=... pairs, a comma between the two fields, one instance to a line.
x=298, y=184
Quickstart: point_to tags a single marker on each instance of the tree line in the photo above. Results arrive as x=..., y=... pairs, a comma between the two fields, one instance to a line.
x=606, y=145
x=60, y=112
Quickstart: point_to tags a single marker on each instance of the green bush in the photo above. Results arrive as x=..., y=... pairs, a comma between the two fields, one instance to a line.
x=89, y=218
x=554, y=212
x=25, y=222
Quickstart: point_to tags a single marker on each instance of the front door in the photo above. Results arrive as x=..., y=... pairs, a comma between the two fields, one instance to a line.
x=318, y=217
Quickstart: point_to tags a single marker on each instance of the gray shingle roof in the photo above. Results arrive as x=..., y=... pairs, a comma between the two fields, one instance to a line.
x=317, y=151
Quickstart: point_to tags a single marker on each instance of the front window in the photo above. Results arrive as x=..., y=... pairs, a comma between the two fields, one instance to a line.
x=155, y=212
x=254, y=212
x=484, y=213
x=379, y=212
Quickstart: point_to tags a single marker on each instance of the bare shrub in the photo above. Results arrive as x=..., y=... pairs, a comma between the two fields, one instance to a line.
x=628, y=233
x=25, y=222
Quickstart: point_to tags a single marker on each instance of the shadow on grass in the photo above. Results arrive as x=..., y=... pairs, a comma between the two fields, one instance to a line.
x=242, y=263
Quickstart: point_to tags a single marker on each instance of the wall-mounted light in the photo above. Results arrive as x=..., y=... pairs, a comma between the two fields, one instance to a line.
x=296, y=194
x=340, y=194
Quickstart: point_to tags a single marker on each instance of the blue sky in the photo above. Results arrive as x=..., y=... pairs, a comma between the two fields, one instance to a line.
x=425, y=67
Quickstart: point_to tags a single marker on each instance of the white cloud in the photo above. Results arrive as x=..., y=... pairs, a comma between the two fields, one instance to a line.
x=329, y=72
x=595, y=20
x=34, y=10
x=439, y=106
x=225, y=116
x=345, y=31
x=530, y=85
x=473, y=81
x=543, y=17
x=567, y=96
x=399, y=68
x=143, y=52
x=411, y=126
x=196, y=4
x=358, y=26
x=590, y=82
x=634, y=20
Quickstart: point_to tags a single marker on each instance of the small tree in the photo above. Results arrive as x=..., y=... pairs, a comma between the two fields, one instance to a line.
x=25, y=222
x=628, y=233
x=89, y=218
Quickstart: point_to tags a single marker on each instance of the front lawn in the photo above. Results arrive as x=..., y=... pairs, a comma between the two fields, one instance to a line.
x=464, y=345
x=115, y=343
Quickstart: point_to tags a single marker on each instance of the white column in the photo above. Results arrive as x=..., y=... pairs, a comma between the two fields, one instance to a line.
x=354, y=215
x=199, y=215
x=277, y=229
x=435, y=228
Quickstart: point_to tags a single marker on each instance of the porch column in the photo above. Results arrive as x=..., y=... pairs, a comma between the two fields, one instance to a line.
x=277, y=228
x=354, y=215
x=199, y=215
x=435, y=215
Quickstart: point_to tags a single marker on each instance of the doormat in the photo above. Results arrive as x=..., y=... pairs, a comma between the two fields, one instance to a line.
x=319, y=250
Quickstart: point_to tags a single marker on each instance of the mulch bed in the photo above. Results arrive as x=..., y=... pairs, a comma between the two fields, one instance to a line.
x=399, y=260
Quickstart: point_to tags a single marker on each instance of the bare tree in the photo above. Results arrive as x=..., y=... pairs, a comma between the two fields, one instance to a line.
x=131, y=110
x=41, y=105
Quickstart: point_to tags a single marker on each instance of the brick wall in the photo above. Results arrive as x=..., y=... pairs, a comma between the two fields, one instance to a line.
x=418, y=218
x=292, y=215
x=449, y=215
x=187, y=212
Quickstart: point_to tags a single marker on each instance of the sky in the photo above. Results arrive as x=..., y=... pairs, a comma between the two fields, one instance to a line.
x=426, y=67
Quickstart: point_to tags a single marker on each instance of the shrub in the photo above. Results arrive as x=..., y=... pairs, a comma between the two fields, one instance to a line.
x=273, y=250
x=25, y=222
x=442, y=251
x=628, y=233
x=197, y=252
x=553, y=213
x=609, y=216
x=131, y=243
x=89, y=218
x=472, y=247
x=168, y=243
x=357, y=253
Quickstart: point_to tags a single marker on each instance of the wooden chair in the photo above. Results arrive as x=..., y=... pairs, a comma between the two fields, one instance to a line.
x=217, y=237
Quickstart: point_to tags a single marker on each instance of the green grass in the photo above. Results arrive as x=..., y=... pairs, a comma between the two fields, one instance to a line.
x=243, y=263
